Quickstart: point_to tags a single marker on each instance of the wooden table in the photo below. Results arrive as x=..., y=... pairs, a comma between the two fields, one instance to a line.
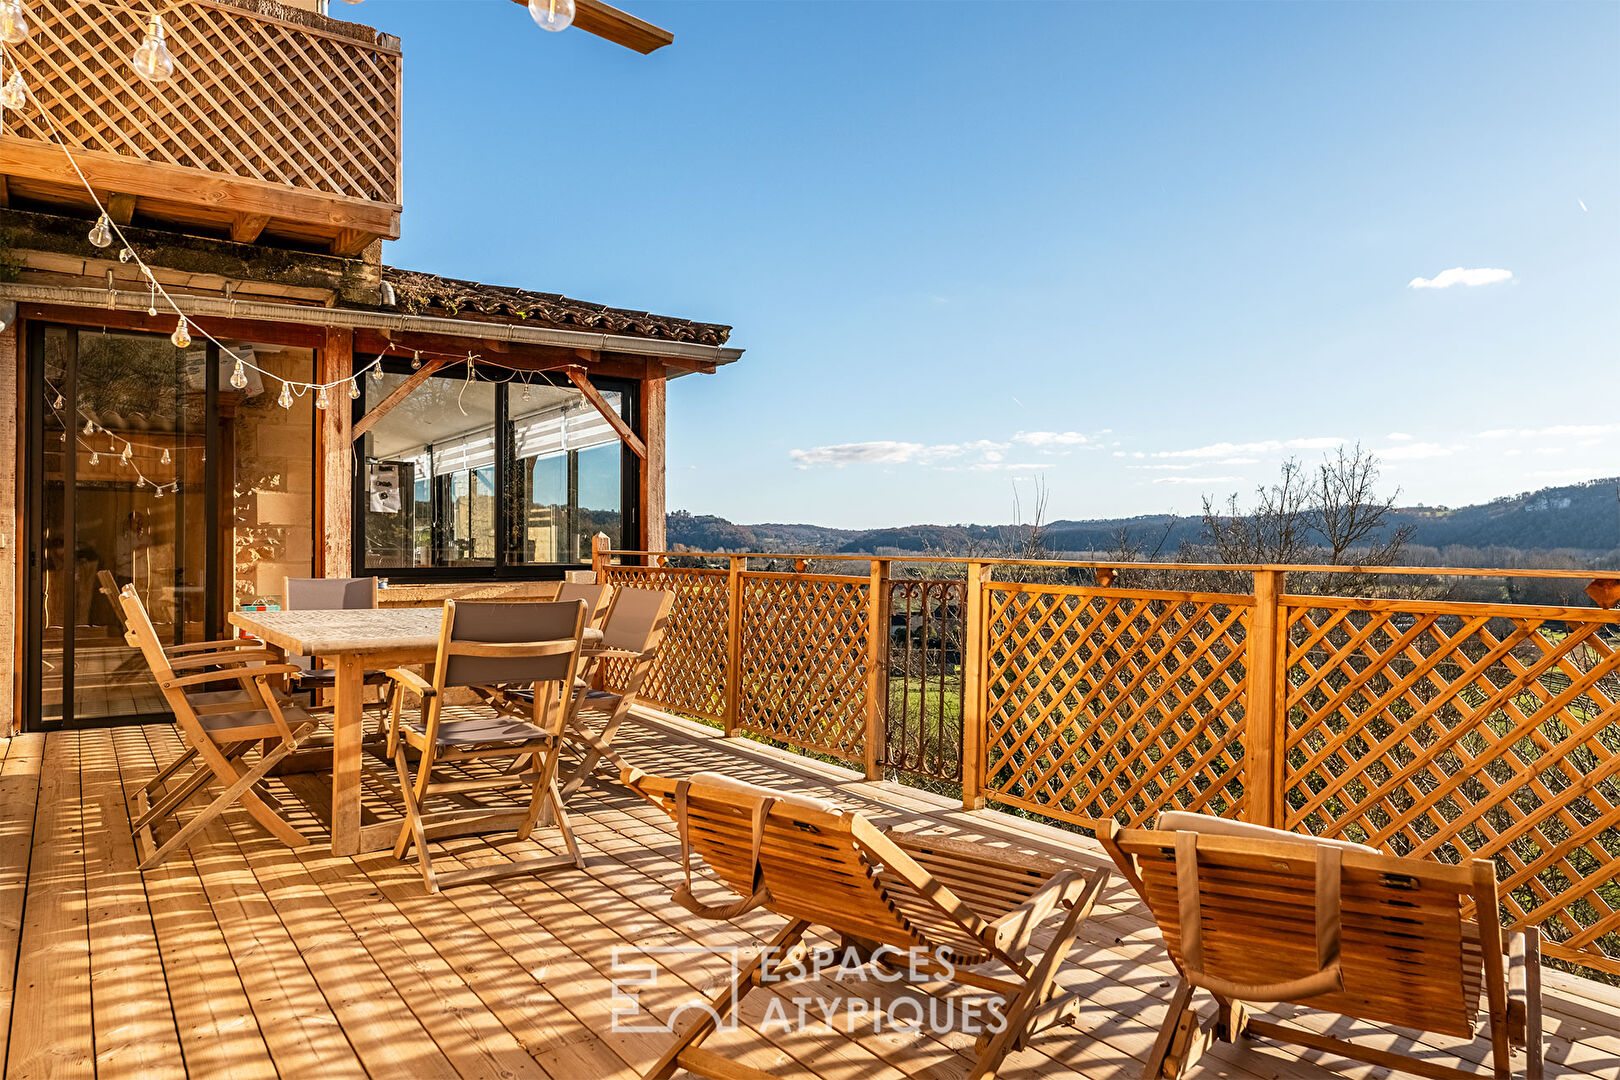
x=352, y=641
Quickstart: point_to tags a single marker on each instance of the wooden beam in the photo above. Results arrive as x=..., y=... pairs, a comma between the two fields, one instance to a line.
x=654, y=466
x=349, y=243
x=594, y=396
x=5, y=191
x=336, y=517
x=27, y=158
x=619, y=27
x=245, y=228
x=399, y=394
x=121, y=207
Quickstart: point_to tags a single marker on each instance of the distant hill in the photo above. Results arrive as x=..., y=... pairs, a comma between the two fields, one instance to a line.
x=1575, y=517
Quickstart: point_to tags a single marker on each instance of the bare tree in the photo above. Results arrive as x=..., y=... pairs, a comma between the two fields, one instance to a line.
x=1278, y=529
x=1351, y=517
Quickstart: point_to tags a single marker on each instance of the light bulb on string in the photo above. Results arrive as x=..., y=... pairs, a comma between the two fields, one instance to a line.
x=151, y=300
x=238, y=376
x=321, y=401
x=101, y=236
x=525, y=391
x=95, y=458
x=13, y=22
x=165, y=459
x=157, y=491
x=376, y=372
x=552, y=15
x=14, y=95
x=129, y=452
x=151, y=59
x=416, y=360
x=354, y=390
x=125, y=255
x=89, y=427
x=285, y=400
x=59, y=403
x=182, y=334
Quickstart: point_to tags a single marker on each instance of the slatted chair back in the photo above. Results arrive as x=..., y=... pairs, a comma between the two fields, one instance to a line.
x=806, y=859
x=1337, y=927
x=596, y=597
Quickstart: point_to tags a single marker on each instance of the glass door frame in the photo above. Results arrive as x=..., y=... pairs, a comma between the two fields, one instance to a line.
x=34, y=615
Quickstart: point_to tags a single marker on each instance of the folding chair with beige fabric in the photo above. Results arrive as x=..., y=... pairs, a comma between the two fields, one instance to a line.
x=916, y=898
x=499, y=646
x=328, y=594
x=219, y=728
x=1252, y=914
x=596, y=598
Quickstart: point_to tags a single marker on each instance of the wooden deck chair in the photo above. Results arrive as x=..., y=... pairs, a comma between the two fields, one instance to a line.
x=500, y=646
x=596, y=598
x=1252, y=914
x=975, y=906
x=219, y=729
x=328, y=594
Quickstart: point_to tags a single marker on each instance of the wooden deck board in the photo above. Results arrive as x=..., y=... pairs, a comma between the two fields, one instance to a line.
x=243, y=958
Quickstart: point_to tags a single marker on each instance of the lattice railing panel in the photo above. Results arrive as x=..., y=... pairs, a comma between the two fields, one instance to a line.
x=689, y=676
x=1114, y=704
x=1461, y=730
x=252, y=97
x=804, y=661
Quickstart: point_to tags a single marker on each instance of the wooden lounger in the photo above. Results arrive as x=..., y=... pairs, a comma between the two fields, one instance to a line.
x=1259, y=915
x=804, y=859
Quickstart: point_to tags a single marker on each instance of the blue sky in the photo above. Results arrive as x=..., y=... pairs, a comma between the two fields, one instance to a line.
x=1144, y=251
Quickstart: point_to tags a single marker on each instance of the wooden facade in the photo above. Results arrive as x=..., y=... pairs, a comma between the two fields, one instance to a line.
x=256, y=186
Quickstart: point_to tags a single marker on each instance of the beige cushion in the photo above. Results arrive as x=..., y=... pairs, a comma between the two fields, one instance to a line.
x=807, y=802
x=1206, y=825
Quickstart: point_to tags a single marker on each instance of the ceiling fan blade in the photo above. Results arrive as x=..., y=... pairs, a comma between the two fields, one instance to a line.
x=619, y=27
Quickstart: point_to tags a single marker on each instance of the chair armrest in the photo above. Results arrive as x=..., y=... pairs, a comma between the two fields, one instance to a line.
x=226, y=658
x=411, y=680
x=609, y=654
x=202, y=678
x=226, y=644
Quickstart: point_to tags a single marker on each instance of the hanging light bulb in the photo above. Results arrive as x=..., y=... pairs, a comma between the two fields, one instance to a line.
x=128, y=452
x=525, y=391
x=285, y=400
x=13, y=22
x=182, y=334
x=89, y=427
x=552, y=14
x=14, y=95
x=95, y=458
x=354, y=390
x=125, y=255
x=101, y=235
x=238, y=376
x=151, y=59
x=59, y=403
x=165, y=458
x=376, y=373
x=320, y=397
x=416, y=360
x=157, y=491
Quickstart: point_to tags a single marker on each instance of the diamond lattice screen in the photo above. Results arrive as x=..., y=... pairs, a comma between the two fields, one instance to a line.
x=689, y=676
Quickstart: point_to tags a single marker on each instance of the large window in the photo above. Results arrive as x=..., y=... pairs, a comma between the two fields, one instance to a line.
x=484, y=478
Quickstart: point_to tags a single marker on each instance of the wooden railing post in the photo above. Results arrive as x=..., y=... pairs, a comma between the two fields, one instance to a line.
x=1265, y=708
x=975, y=641
x=734, y=608
x=877, y=669
x=600, y=546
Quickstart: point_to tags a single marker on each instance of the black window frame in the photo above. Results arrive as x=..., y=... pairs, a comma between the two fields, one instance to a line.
x=629, y=391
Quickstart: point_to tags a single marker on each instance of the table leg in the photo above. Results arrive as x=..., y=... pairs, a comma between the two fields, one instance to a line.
x=348, y=723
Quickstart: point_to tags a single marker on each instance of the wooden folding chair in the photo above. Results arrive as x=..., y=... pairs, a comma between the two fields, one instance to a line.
x=219, y=728
x=596, y=597
x=1252, y=914
x=329, y=594
x=927, y=898
x=499, y=646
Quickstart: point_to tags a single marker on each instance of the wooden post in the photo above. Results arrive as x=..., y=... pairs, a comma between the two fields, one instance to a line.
x=975, y=641
x=877, y=668
x=1264, y=709
x=337, y=457
x=655, y=467
x=734, y=609
x=600, y=546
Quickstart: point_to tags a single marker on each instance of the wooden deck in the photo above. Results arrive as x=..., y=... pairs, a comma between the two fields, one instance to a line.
x=245, y=959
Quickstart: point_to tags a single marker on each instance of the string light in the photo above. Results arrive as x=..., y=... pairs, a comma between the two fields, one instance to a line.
x=101, y=235
x=354, y=391
x=89, y=427
x=125, y=255
x=238, y=376
x=285, y=400
x=152, y=60
x=416, y=360
x=14, y=95
x=95, y=458
x=182, y=335
x=13, y=22
x=165, y=459
x=552, y=15
x=320, y=398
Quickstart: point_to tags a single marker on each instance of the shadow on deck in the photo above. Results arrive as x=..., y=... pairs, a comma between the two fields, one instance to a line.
x=241, y=958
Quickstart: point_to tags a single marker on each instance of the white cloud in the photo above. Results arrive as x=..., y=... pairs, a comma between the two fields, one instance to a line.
x=1398, y=436
x=1196, y=480
x=1270, y=446
x=889, y=452
x=1555, y=431
x=1051, y=438
x=1162, y=467
x=1237, y=461
x=1457, y=275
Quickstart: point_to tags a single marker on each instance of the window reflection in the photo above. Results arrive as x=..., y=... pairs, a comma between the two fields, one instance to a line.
x=567, y=480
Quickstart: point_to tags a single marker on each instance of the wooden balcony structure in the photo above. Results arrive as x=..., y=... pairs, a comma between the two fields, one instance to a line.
x=279, y=124
x=245, y=959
